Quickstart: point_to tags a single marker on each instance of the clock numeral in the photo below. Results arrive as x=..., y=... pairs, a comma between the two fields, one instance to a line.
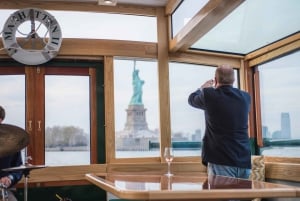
x=21, y=16
x=37, y=13
x=55, y=40
x=55, y=29
x=8, y=34
x=45, y=17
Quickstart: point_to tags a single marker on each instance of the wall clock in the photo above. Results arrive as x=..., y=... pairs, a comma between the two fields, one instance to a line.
x=31, y=36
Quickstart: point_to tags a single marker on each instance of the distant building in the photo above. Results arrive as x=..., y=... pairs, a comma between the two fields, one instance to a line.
x=285, y=125
x=276, y=135
x=265, y=132
x=197, y=135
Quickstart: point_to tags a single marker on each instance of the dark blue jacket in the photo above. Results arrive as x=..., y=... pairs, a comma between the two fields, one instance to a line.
x=226, y=140
x=13, y=160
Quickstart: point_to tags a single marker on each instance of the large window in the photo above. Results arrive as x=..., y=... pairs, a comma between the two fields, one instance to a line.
x=187, y=123
x=13, y=99
x=280, y=108
x=53, y=105
x=100, y=25
x=67, y=120
x=136, y=109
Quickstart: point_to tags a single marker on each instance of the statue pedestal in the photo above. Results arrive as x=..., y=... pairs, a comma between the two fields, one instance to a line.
x=136, y=118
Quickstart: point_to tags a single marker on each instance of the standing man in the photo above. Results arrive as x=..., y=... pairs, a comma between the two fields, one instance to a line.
x=226, y=146
x=9, y=179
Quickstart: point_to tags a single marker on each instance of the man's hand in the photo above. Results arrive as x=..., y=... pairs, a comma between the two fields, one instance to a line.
x=5, y=181
x=209, y=83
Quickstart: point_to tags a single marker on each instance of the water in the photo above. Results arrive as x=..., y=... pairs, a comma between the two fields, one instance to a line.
x=59, y=158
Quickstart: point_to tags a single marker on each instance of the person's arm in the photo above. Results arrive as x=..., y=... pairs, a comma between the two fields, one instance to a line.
x=196, y=99
x=16, y=176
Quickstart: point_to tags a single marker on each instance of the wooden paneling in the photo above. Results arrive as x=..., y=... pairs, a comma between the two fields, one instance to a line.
x=156, y=168
x=276, y=168
x=283, y=171
x=63, y=173
x=282, y=160
x=282, y=168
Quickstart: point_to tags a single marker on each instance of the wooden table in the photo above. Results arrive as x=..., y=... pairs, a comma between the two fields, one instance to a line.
x=187, y=187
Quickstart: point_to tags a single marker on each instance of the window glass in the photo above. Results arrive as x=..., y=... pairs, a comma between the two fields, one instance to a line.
x=252, y=25
x=13, y=101
x=136, y=108
x=187, y=122
x=100, y=25
x=67, y=120
x=182, y=15
x=280, y=108
x=12, y=95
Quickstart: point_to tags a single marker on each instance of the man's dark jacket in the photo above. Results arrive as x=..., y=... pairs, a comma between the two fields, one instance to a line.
x=226, y=140
x=13, y=160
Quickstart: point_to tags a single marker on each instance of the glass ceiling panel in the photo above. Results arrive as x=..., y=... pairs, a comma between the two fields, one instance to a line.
x=254, y=24
x=185, y=12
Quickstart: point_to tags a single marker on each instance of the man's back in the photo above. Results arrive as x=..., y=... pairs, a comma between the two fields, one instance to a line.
x=226, y=136
x=226, y=146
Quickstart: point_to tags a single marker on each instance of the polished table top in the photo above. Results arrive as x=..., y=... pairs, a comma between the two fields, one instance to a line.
x=187, y=187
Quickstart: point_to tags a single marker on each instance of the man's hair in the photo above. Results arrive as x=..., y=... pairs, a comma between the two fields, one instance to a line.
x=225, y=75
x=2, y=113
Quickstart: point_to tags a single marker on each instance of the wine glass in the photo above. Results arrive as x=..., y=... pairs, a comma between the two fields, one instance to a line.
x=168, y=154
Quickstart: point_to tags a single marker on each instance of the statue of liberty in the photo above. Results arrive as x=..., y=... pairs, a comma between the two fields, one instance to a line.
x=137, y=85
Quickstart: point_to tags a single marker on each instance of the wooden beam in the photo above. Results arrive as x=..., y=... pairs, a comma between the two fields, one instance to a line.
x=109, y=108
x=171, y=6
x=272, y=47
x=209, y=16
x=99, y=47
x=79, y=6
x=275, y=53
x=163, y=80
x=205, y=59
x=95, y=47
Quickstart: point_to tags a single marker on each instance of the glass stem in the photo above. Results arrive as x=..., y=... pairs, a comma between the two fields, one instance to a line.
x=169, y=164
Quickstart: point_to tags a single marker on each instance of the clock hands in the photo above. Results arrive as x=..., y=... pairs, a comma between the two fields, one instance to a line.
x=33, y=35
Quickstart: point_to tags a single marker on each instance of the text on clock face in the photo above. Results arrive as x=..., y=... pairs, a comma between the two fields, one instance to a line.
x=24, y=15
x=32, y=36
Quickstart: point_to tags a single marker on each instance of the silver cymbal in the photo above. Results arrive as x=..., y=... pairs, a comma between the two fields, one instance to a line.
x=12, y=139
x=23, y=167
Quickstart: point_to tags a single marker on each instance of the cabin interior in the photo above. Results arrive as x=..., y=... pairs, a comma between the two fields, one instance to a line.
x=180, y=40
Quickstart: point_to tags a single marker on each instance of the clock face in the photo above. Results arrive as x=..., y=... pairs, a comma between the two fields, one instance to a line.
x=31, y=36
